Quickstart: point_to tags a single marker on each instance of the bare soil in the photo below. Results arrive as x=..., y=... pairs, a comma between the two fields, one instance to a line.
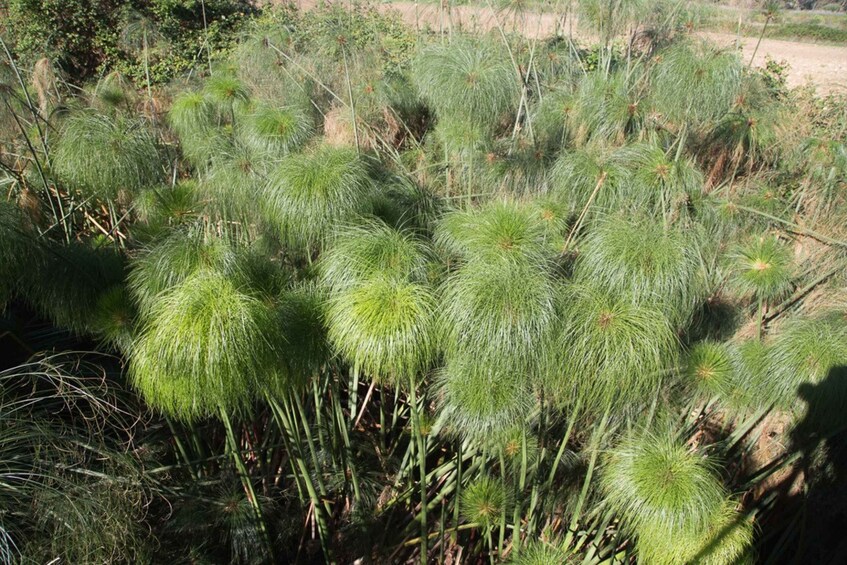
x=824, y=66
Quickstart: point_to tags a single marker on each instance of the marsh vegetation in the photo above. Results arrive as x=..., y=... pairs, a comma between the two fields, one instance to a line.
x=343, y=291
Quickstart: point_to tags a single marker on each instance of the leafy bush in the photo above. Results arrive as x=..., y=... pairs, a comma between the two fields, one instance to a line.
x=84, y=36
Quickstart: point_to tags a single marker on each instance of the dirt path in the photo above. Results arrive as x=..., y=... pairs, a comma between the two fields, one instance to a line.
x=825, y=66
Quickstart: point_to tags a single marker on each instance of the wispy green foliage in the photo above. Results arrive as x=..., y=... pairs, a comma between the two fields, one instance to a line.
x=113, y=92
x=276, y=131
x=724, y=541
x=637, y=258
x=114, y=318
x=695, y=83
x=304, y=346
x=385, y=325
x=762, y=268
x=462, y=139
x=168, y=205
x=657, y=484
x=66, y=282
x=509, y=231
x=482, y=401
x=825, y=163
x=381, y=312
x=736, y=374
x=483, y=501
x=540, y=553
x=205, y=346
x=196, y=123
x=745, y=138
x=607, y=108
x=171, y=260
x=751, y=387
x=68, y=489
x=499, y=314
x=578, y=174
x=611, y=17
x=551, y=118
x=231, y=188
x=308, y=195
x=709, y=368
x=102, y=155
x=614, y=353
x=466, y=80
x=533, y=249
x=255, y=56
x=671, y=183
x=371, y=249
x=226, y=92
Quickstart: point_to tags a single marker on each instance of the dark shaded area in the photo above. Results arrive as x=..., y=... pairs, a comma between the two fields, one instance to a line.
x=23, y=334
x=808, y=514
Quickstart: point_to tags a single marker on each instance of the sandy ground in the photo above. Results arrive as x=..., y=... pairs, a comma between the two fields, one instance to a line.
x=825, y=66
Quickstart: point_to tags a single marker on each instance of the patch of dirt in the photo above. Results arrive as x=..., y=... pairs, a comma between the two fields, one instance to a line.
x=825, y=66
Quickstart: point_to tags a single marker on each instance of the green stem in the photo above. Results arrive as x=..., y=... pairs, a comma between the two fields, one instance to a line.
x=457, y=498
x=352, y=105
x=578, y=224
x=181, y=448
x=147, y=68
x=759, y=42
x=297, y=454
x=520, y=485
x=246, y=482
x=595, y=450
x=421, y=452
x=501, y=539
x=342, y=423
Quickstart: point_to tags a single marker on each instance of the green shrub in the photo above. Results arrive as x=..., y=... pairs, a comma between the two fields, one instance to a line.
x=85, y=36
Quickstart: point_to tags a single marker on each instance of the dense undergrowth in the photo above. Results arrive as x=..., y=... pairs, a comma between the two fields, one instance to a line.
x=345, y=292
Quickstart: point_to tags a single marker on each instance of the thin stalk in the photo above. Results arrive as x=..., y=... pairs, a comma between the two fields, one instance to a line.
x=759, y=42
x=501, y=539
x=421, y=451
x=794, y=227
x=520, y=485
x=181, y=448
x=761, y=324
x=246, y=482
x=341, y=422
x=441, y=530
x=578, y=224
x=147, y=67
x=206, y=34
x=311, y=444
x=320, y=518
x=595, y=451
x=60, y=215
x=352, y=104
x=30, y=106
x=801, y=293
x=353, y=392
x=457, y=498
x=562, y=447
